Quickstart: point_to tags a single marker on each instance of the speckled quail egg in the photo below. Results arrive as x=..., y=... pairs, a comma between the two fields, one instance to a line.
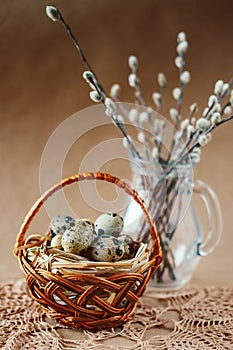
x=129, y=246
x=91, y=222
x=78, y=237
x=109, y=224
x=107, y=248
x=56, y=242
x=60, y=223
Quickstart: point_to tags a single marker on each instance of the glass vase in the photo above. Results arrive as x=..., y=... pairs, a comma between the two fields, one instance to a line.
x=170, y=199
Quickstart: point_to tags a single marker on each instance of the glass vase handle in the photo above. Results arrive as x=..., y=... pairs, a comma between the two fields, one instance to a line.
x=214, y=213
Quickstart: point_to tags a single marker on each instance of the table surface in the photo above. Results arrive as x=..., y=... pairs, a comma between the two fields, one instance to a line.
x=194, y=318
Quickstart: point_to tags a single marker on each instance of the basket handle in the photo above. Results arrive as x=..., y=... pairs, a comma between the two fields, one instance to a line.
x=80, y=177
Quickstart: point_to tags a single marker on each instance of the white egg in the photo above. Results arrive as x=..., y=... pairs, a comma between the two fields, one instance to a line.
x=56, y=242
x=109, y=224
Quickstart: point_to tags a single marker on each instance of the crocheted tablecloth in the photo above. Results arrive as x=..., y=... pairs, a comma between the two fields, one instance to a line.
x=193, y=318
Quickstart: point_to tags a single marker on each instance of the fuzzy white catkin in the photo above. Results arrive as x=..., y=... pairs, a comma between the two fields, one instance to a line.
x=203, y=140
x=184, y=124
x=149, y=110
x=143, y=117
x=217, y=107
x=137, y=94
x=206, y=112
x=195, y=158
x=179, y=62
x=190, y=129
x=52, y=13
x=88, y=76
x=158, y=138
x=176, y=93
x=185, y=77
x=109, y=103
x=162, y=80
x=133, y=115
x=181, y=36
x=95, y=96
x=133, y=62
x=212, y=100
x=155, y=152
x=216, y=118
x=228, y=110
x=193, y=108
x=120, y=119
x=197, y=150
x=156, y=96
x=203, y=124
x=115, y=90
x=209, y=137
x=125, y=142
x=218, y=87
x=225, y=88
x=157, y=126
x=174, y=115
x=141, y=137
x=132, y=79
x=231, y=98
x=193, y=120
x=110, y=107
x=182, y=47
x=109, y=112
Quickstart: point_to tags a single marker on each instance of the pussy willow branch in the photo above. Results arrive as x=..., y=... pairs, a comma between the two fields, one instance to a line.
x=196, y=144
x=194, y=136
x=163, y=191
x=83, y=56
x=230, y=85
x=162, y=222
x=222, y=122
x=159, y=185
x=179, y=105
x=156, y=194
x=99, y=86
x=207, y=114
x=115, y=120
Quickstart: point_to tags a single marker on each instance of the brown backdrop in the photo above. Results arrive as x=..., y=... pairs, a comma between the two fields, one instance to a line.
x=41, y=86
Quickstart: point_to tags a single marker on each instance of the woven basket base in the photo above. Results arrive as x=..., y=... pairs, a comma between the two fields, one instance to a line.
x=89, y=302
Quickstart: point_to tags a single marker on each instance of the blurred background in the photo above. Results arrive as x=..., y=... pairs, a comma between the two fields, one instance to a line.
x=42, y=85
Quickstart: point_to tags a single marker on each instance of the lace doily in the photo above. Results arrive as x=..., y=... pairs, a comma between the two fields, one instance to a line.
x=191, y=319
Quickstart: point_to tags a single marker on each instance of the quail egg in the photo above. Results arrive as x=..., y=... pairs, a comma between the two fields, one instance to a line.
x=89, y=221
x=109, y=224
x=56, y=242
x=129, y=246
x=107, y=248
x=78, y=237
x=60, y=223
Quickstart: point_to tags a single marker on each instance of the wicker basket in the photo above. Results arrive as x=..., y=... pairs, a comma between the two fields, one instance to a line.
x=80, y=297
